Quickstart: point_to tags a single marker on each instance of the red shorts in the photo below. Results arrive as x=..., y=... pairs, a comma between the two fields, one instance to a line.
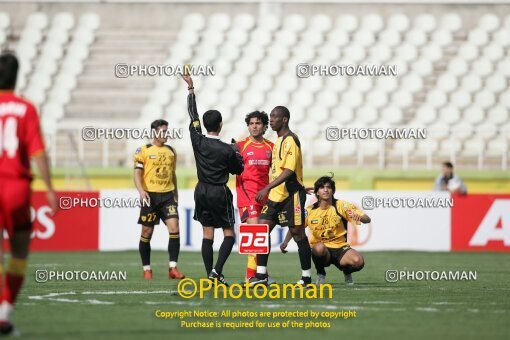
x=249, y=211
x=15, y=205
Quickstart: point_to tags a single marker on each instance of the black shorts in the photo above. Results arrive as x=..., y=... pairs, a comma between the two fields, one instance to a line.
x=336, y=254
x=162, y=207
x=289, y=212
x=213, y=205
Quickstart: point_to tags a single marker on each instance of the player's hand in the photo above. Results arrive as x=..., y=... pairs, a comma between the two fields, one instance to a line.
x=188, y=80
x=283, y=246
x=144, y=196
x=176, y=197
x=309, y=190
x=356, y=218
x=51, y=197
x=261, y=195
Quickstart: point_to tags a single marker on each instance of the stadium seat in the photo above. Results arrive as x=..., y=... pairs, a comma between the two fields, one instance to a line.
x=416, y=37
x=426, y=114
x=471, y=83
x=474, y=115
x=484, y=99
x=364, y=37
x=343, y=114
x=372, y=22
x=478, y=37
x=425, y=22
x=320, y=23
x=493, y=52
x=390, y=37
x=244, y=21
x=460, y=99
x=451, y=22
x=392, y=115
x=376, y=98
x=347, y=22
x=488, y=22
x=294, y=23
x=498, y=115
x=468, y=51
x=399, y=22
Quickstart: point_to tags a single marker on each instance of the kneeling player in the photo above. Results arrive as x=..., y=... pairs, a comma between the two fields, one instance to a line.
x=327, y=219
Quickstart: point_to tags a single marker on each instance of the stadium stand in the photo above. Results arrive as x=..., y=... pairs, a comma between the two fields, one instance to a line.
x=453, y=78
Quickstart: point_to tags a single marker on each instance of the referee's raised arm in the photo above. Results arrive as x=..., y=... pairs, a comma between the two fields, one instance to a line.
x=194, y=127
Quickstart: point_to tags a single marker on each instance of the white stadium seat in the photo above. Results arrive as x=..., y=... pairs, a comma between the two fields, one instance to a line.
x=425, y=22
x=489, y=22
x=399, y=22
x=294, y=23
x=474, y=115
x=372, y=22
x=321, y=23
x=451, y=22
x=347, y=22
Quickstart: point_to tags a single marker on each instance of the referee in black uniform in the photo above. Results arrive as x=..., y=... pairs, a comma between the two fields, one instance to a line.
x=213, y=199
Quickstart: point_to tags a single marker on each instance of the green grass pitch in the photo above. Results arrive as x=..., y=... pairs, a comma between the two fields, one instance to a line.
x=403, y=310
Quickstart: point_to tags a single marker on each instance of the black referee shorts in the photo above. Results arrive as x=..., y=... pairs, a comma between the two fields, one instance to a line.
x=213, y=205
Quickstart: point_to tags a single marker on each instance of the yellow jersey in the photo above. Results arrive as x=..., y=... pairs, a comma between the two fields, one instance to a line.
x=158, y=165
x=329, y=226
x=286, y=155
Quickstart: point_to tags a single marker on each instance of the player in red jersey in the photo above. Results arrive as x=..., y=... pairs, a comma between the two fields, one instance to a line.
x=256, y=152
x=20, y=141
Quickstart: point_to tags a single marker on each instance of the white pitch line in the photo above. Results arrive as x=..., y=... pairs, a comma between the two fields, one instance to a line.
x=185, y=303
x=427, y=309
x=129, y=292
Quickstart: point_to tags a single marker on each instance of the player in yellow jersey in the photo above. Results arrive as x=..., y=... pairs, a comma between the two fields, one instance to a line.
x=287, y=195
x=327, y=220
x=156, y=182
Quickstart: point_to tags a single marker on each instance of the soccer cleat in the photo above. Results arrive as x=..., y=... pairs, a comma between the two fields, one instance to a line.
x=348, y=279
x=270, y=280
x=174, y=273
x=147, y=274
x=215, y=277
x=321, y=279
x=6, y=328
x=259, y=279
x=305, y=281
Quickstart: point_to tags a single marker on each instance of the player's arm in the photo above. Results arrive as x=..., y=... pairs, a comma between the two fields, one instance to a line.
x=35, y=148
x=195, y=128
x=41, y=161
x=262, y=194
x=364, y=218
x=138, y=176
x=174, y=178
x=236, y=162
x=285, y=242
x=352, y=213
x=289, y=164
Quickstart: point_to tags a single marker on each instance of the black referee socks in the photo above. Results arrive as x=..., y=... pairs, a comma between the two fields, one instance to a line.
x=207, y=255
x=225, y=250
x=305, y=253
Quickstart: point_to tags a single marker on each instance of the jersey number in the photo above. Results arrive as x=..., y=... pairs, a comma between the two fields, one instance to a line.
x=9, y=141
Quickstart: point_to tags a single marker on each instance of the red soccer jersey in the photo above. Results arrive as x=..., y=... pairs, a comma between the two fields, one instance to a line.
x=20, y=136
x=257, y=162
